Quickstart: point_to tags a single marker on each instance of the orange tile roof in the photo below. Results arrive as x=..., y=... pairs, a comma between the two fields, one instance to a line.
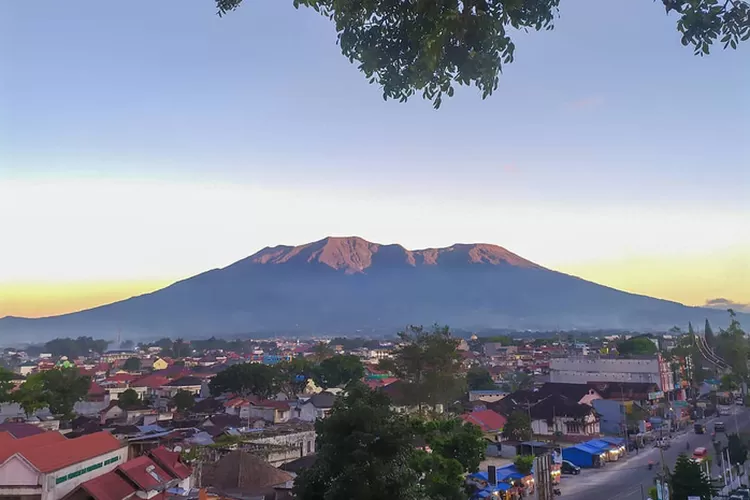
x=109, y=486
x=10, y=447
x=67, y=452
x=137, y=470
x=171, y=462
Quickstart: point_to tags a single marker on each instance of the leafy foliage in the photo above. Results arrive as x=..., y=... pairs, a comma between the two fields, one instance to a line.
x=129, y=399
x=518, y=426
x=689, y=479
x=478, y=378
x=339, y=370
x=636, y=346
x=365, y=451
x=737, y=449
x=58, y=389
x=428, y=46
x=6, y=385
x=442, y=477
x=428, y=362
x=709, y=334
x=73, y=348
x=732, y=346
x=184, y=400
x=524, y=463
x=245, y=379
x=292, y=376
x=132, y=364
x=453, y=438
x=517, y=381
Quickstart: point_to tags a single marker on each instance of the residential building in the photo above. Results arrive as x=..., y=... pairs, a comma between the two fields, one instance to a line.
x=48, y=466
x=315, y=407
x=582, y=370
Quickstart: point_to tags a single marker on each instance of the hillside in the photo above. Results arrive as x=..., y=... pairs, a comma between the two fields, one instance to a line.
x=349, y=285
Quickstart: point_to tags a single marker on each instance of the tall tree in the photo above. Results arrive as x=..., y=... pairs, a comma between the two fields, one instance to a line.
x=132, y=364
x=184, y=400
x=427, y=46
x=321, y=351
x=518, y=426
x=637, y=346
x=6, y=385
x=31, y=395
x=246, y=379
x=293, y=375
x=64, y=388
x=709, y=334
x=689, y=479
x=128, y=399
x=453, y=438
x=478, y=378
x=338, y=371
x=365, y=452
x=428, y=362
x=737, y=449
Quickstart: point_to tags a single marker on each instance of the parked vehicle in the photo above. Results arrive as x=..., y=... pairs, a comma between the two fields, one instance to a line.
x=700, y=454
x=719, y=427
x=663, y=443
x=739, y=401
x=699, y=429
x=569, y=468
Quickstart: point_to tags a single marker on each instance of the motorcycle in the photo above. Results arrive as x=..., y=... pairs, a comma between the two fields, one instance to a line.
x=557, y=491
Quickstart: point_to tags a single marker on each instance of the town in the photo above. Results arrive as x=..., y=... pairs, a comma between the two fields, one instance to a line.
x=508, y=417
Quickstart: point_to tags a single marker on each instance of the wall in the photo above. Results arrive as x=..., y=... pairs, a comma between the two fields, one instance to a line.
x=612, y=416
x=18, y=472
x=583, y=370
x=305, y=439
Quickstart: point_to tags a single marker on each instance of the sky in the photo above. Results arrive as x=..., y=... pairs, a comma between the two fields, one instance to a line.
x=143, y=142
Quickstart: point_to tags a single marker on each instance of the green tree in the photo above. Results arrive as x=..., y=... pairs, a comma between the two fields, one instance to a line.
x=731, y=345
x=442, y=478
x=180, y=348
x=478, y=378
x=453, y=438
x=366, y=451
x=517, y=381
x=428, y=362
x=321, y=351
x=293, y=375
x=518, y=426
x=246, y=379
x=737, y=449
x=709, y=334
x=132, y=364
x=689, y=479
x=63, y=389
x=338, y=371
x=637, y=346
x=184, y=400
x=6, y=385
x=428, y=46
x=31, y=395
x=728, y=383
x=128, y=399
x=524, y=463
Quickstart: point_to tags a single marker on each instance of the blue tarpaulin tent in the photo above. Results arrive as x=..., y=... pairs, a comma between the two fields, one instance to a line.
x=581, y=455
x=614, y=440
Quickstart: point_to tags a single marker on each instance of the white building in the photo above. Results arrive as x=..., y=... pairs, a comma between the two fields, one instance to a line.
x=582, y=370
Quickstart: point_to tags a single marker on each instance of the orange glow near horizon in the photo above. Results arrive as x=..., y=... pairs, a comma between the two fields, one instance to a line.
x=690, y=280
x=34, y=300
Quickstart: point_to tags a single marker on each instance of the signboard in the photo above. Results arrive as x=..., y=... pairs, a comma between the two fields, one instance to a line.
x=655, y=395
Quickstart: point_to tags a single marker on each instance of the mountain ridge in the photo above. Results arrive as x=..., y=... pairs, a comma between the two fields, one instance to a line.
x=347, y=284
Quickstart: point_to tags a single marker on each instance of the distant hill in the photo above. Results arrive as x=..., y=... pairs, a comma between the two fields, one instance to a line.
x=352, y=286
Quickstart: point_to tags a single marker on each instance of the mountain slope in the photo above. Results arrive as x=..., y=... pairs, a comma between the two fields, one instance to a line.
x=344, y=285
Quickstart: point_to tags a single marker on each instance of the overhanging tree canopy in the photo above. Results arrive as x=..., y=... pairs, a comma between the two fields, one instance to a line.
x=427, y=46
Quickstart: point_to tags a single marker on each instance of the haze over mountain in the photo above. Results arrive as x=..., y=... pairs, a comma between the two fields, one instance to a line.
x=350, y=286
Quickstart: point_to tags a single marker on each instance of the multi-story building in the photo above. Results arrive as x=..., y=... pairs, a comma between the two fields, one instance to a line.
x=582, y=370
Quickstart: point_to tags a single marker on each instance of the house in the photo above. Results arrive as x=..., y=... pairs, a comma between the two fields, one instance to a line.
x=48, y=466
x=275, y=412
x=188, y=383
x=551, y=414
x=583, y=394
x=159, y=364
x=314, y=407
x=26, y=368
x=489, y=421
x=147, y=476
x=242, y=475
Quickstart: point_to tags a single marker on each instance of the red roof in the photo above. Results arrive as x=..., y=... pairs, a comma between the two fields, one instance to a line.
x=170, y=461
x=382, y=382
x=67, y=452
x=151, y=381
x=145, y=473
x=269, y=403
x=487, y=420
x=121, y=377
x=109, y=486
x=95, y=389
x=10, y=445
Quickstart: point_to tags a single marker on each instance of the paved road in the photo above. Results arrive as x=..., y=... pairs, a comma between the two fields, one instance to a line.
x=630, y=479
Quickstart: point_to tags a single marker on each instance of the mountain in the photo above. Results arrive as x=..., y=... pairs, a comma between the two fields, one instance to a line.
x=349, y=285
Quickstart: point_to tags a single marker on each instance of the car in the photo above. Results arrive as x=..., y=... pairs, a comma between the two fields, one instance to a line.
x=700, y=454
x=663, y=443
x=569, y=468
x=719, y=427
x=739, y=401
x=699, y=429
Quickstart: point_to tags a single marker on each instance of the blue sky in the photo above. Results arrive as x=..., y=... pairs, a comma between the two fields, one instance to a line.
x=607, y=116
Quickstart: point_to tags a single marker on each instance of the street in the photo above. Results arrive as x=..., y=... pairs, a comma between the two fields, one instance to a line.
x=630, y=479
